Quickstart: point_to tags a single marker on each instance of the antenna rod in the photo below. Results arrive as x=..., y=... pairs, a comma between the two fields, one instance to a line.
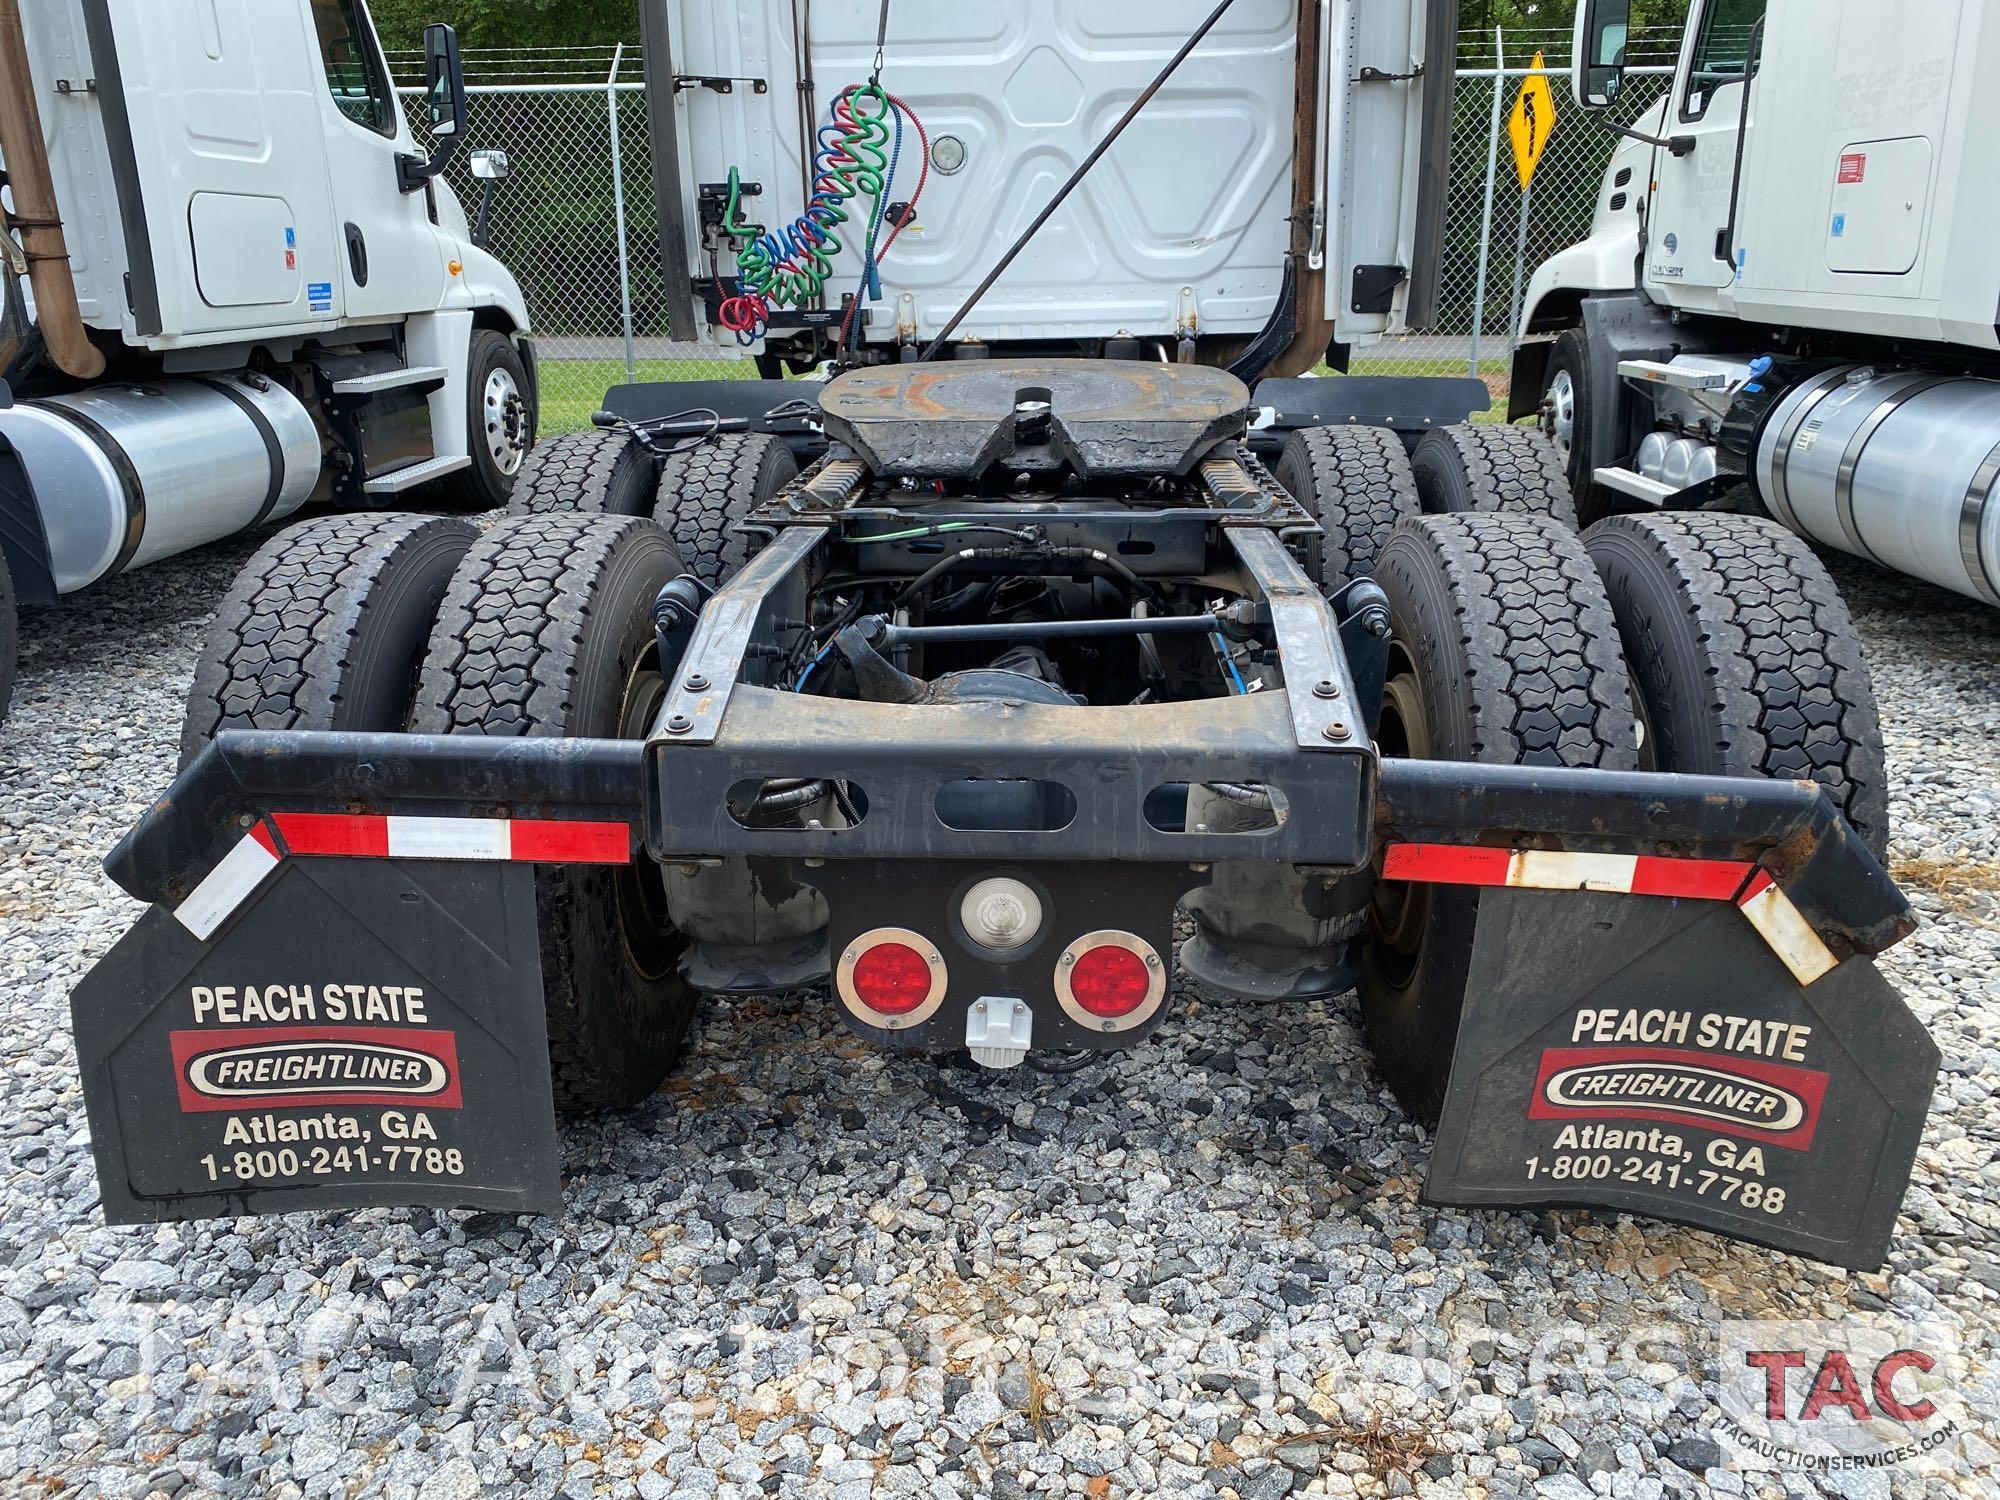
x=1074, y=178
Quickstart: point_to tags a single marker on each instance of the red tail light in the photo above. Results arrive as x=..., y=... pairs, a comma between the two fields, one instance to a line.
x=891, y=977
x=1110, y=980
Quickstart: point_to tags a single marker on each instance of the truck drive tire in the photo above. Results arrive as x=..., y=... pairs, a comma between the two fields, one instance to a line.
x=324, y=627
x=1503, y=651
x=1358, y=484
x=10, y=637
x=706, y=490
x=499, y=423
x=1491, y=467
x=606, y=471
x=547, y=630
x=1744, y=656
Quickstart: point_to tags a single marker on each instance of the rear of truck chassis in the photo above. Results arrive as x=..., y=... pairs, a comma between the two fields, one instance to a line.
x=1027, y=659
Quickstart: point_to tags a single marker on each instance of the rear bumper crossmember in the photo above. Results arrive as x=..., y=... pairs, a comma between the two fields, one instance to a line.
x=427, y=797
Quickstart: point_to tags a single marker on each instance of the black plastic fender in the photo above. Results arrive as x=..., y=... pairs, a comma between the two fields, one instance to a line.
x=1655, y=1056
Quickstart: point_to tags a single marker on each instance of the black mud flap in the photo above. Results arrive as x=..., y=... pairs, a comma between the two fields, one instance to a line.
x=361, y=1032
x=1655, y=1056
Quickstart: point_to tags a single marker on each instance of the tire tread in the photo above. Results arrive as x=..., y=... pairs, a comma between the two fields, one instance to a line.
x=1505, y=468
x=598, y=472
x=275, y=652
x=1788, y=693
x=705, y=491
x=1358, y=483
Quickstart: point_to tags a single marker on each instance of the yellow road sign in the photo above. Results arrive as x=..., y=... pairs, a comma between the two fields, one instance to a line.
x=1531, y=122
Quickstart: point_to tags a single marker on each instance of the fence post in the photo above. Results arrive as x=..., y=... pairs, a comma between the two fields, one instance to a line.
x=618, y=209
x=1486, y=217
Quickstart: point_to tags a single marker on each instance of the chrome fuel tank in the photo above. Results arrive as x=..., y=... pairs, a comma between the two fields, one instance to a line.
x=1899, y=466
x=125, y=474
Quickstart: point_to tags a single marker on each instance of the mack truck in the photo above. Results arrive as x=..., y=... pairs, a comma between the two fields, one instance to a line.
x=233, y=285
x=1788, y=302
x=1067, y=609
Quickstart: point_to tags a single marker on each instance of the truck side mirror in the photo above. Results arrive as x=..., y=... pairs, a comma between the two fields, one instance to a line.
x=444, y=81
x=1597, y=52
x=490, y=169
x=444, y=96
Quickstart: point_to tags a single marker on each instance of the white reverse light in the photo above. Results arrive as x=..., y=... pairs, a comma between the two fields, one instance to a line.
x=1001, y=913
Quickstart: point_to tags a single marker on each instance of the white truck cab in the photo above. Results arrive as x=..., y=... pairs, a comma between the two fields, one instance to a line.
x=1789, y=289
x=241, y=283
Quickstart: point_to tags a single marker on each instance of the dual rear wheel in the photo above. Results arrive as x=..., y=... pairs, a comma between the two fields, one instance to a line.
x=699, y=495
x=1702, y=643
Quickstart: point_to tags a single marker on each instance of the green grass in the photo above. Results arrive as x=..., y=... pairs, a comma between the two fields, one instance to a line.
x=574, y=388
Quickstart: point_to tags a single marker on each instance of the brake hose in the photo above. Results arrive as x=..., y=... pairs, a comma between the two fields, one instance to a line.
x=790, y=266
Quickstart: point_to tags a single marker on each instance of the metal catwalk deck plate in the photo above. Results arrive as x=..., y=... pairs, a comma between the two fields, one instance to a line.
x=1105, y=418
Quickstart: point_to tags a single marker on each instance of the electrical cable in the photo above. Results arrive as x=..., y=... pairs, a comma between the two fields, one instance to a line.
x=1228, y=662
x=849, y=324
x=790, y=266
x=1065, y=1062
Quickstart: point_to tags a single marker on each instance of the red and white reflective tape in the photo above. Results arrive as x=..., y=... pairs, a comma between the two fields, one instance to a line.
x=1755, y=894
x=378, y=836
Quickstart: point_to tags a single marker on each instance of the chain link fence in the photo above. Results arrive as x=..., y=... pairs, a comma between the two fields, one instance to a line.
x=577, y=224
x=576, y=221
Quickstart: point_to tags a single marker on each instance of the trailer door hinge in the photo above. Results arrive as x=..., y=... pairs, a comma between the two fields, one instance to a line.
x=1376, y=75
x=720, y=84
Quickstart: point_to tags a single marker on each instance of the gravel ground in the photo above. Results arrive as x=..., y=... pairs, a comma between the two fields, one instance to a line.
x=808, y=1268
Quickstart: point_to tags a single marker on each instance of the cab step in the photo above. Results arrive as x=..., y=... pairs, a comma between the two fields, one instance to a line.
x=411, y=475
x=430, y=377
x=1637, y=485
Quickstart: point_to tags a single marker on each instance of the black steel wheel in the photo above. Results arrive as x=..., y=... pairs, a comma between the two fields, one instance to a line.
x=1503, y=651
x=705, y=491
x=547, y=630
x=1489, y=467
x=324, y=627
x=606, y=471
x=1744, y=656
x=1358, y=484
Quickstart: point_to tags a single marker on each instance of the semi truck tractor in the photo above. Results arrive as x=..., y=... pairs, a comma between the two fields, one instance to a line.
x=234, y=284
x=937, y=688
x=1789, y=301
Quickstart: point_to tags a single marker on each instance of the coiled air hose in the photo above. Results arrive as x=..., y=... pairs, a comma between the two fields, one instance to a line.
x=790, y=266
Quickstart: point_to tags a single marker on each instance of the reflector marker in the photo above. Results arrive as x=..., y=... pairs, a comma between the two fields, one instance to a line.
x=1785, y=929
x=376, y=836
x=228, y=885
x=449, y=838
x=1768, y=909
